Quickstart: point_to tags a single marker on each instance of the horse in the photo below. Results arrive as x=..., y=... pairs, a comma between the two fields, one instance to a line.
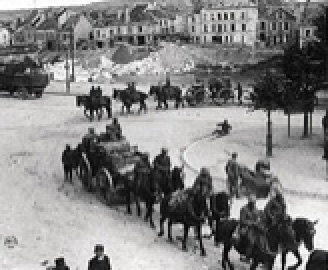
x=146, y=190
x=91, y=105
x=128, y=99
x=191, y=215
x=318, y=260
x=304, y=233
x=220, y=209
x=265, y=248
x=163, y=94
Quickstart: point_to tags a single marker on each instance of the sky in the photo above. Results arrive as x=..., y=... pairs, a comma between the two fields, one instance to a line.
x=18, y=4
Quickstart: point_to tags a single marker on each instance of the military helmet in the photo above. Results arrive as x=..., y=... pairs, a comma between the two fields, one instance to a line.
x=99, y=248
x=91, y=130
x=164, y=150
x=204, y=170
x=234, y=155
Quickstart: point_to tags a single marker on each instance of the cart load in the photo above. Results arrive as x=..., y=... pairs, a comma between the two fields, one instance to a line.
x=106, y=168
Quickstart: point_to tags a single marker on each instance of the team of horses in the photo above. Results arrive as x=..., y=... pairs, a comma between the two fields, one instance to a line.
x=285, y=237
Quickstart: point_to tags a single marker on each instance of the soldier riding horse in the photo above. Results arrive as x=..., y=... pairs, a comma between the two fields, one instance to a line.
x=165, y=93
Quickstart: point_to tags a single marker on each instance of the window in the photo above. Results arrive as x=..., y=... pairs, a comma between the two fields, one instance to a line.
x=129, y=29
x=219, y=17
x=274, y=26
x=205, y=17
x=280, y=26
x=243, y=15
x=111, y=31
x=226, y=16
x=233, y=28
x=205, y=28
x=307, y=32
x=226, y=39
x=262, y=37
x=262, y=26
x=224, y=28
x=243, y=27
x=220, y=39
x=274, y=40
x=280, y=15
x=231, y=39
x=118, y=30
x=212, y=16
x=140, y=29
x=193, y=19
x=286, y=38
x=172, y=29
x=98, y=33
x=104, y=35
x=213, y=28
x=220, y=28
x=286, y=26
x=193, y=29
x=232, y=15
x=204, y=39
x=242, y=39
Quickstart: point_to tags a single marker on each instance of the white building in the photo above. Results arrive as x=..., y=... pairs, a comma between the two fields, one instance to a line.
x=5, y=37
x=225, y=24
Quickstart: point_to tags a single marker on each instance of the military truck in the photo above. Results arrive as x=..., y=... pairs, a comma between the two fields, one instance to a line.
x=23, y=78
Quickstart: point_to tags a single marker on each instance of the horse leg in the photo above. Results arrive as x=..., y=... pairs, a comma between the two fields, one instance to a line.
x=283, y=260
x=138, y=206
x=169, y=230
x=200, y=239
x=185, y=236
x=161, y=226
x=299, y=260
x=225, y=256
x=128, y=201
x=151, y=210
x=254, y=265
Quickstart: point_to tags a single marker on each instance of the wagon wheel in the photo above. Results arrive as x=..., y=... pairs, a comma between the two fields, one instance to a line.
x=104, y=185
x=86, y=173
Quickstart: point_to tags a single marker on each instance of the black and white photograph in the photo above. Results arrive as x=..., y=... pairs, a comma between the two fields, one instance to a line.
x=164, y=134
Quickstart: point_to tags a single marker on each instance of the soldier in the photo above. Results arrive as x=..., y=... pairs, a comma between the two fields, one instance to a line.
x=249, y=218
x=203, y=182
x=275, y=210
x=232, y=171
x=108, y=136
x=67, y=160
x=117, y=130
x=60, y=264
x=162, y=164
x=142, y=169
x=226, y=127
x=100, y=261
x=240, y=93
x=90, y=139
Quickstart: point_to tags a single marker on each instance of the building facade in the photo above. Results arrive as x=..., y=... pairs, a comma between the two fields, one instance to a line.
x=233, y=24
x=277, y=29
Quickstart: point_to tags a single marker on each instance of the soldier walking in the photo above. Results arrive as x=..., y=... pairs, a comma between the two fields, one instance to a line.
x=232, y=171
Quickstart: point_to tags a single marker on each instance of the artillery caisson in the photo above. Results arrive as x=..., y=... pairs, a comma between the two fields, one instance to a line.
x=105, y=169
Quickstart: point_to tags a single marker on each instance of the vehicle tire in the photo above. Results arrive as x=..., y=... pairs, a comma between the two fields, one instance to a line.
x=104, y=186
x=86, y=173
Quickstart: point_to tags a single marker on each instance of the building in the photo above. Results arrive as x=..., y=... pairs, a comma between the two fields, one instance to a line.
x=5, y=37
x=225, y=24
x=142, y=24
x=75, y=30
x=277, y=28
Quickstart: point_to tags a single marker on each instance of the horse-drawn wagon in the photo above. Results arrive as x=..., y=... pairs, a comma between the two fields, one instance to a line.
x=95, y=102
x=105, y=168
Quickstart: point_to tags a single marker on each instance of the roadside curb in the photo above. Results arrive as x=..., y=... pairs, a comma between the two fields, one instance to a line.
x=288, y=191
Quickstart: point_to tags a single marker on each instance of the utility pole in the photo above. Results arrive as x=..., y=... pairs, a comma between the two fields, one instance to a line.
x=72, y=43
x=68, y=85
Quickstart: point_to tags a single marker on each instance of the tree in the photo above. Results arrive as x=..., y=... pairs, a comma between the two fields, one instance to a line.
x=303, y=68
x=267, y=96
